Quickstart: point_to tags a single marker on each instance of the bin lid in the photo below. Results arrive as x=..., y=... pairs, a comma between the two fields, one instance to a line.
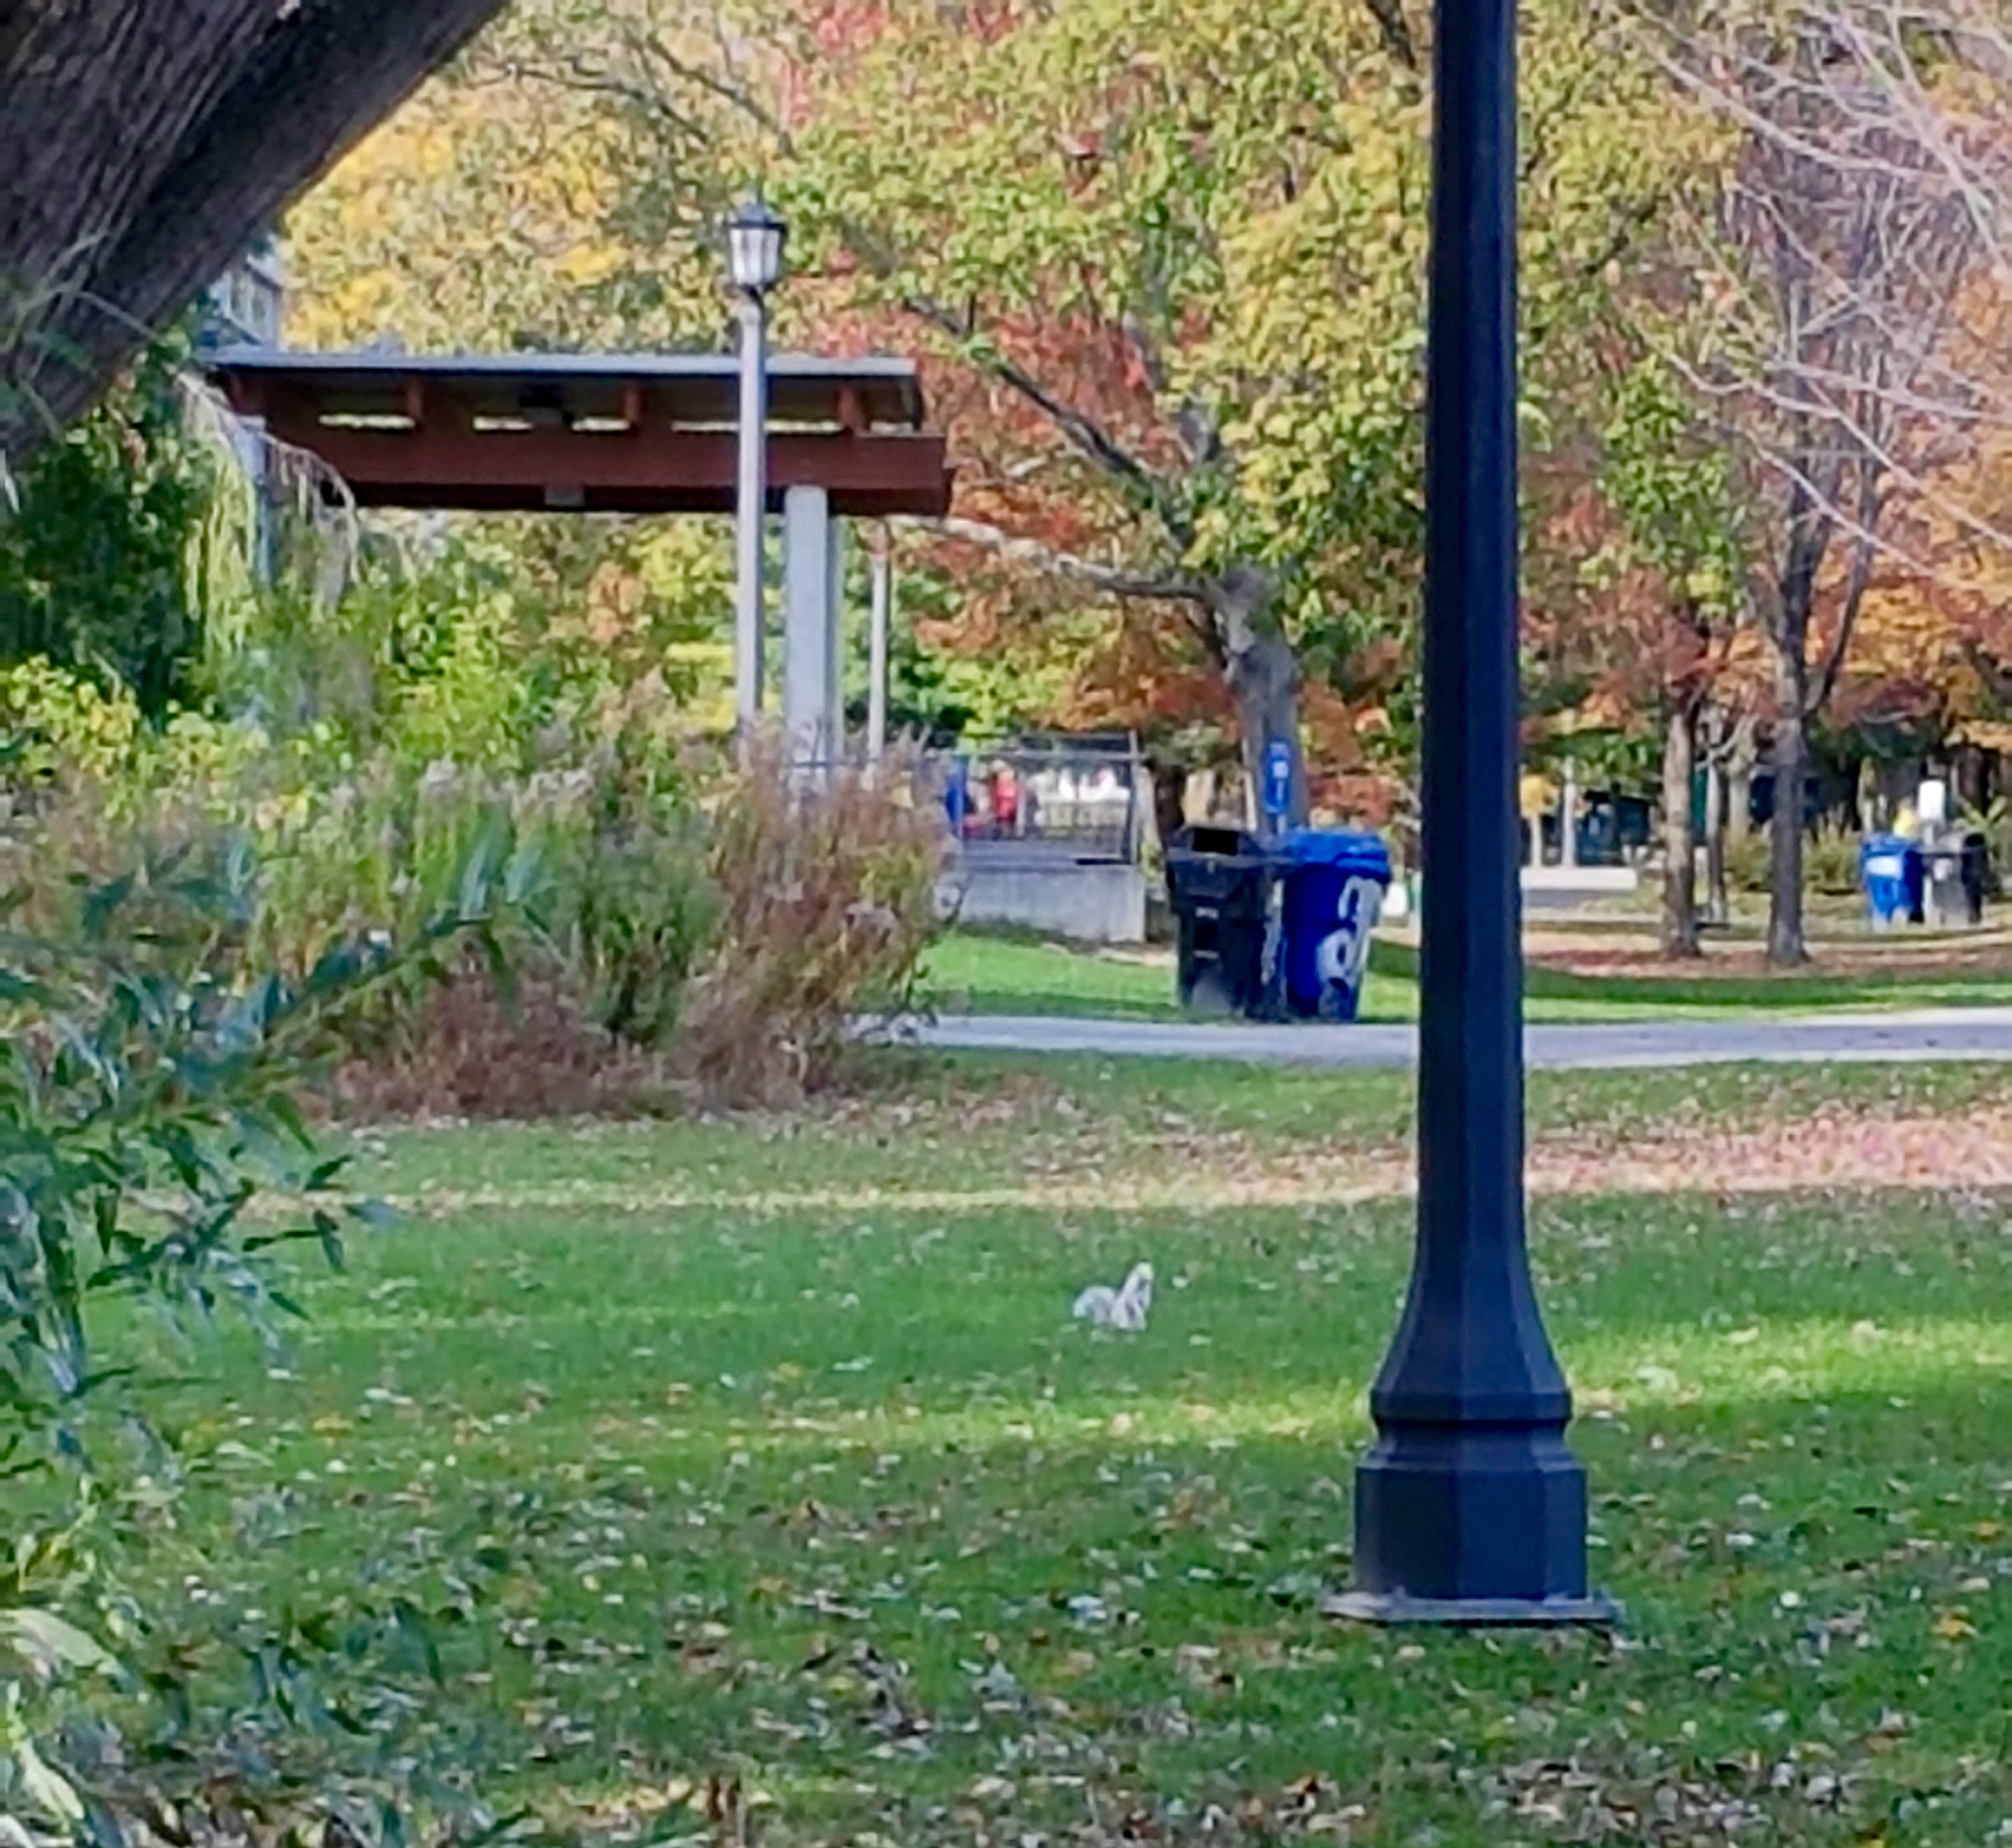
x=1882, y=846
x=1203, y=841
x=1346, y=848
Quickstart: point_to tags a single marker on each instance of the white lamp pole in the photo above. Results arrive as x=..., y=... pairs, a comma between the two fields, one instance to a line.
x=755, y=240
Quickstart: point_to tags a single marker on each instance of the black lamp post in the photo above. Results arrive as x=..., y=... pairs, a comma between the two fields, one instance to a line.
x=1470, y=1508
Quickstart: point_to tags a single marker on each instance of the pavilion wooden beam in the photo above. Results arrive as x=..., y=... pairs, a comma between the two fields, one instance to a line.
x=646, y=469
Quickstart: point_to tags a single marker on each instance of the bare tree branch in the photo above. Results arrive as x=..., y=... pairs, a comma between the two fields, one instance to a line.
x=1111, y=581
x=1857, y=223
x=1084, y=432
x=1395, y=31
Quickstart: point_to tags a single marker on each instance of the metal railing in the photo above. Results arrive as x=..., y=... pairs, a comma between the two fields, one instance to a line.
x=1083, y=796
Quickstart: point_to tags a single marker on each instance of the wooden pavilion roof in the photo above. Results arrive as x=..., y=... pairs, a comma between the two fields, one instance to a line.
x=622, y=433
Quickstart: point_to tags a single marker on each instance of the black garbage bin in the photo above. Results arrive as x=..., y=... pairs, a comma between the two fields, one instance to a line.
x=1223, y=885
x=1976, y=875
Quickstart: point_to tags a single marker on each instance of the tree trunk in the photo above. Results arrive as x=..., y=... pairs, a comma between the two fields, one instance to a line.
x=1786, y=946
x=1264, y=677
x=1680, y=919
x=144, y=144
x=1742, y=758
x=1170, y=791
x=1265, y=680
x=1718, y=900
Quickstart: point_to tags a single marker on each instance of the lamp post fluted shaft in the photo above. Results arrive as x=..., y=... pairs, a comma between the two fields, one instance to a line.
x=750, y=514
x=1470, y=1508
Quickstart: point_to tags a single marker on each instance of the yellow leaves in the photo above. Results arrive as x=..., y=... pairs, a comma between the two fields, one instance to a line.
x=434, y=148
x=1954, y=1626
x=588, y=263
x=1536, y=795
x=479, y=216
x=63, y=719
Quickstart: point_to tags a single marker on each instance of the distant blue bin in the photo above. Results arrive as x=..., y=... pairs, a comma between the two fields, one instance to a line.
x=957, y=795
x=1892, y=872
x=1335, y=882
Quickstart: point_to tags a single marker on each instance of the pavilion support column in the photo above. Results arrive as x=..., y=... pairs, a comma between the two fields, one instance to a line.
x=810, y=604
x=876, y=669
x=834, y=648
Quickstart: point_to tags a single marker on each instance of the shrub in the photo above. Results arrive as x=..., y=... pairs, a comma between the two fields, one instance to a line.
x=519, y=1050
x=1995, y=824
x=101, y=536
x=607, y=861
x=670, y=924
x=151, y=1093
x=1830, y=861
x=1747, y=861
x=723, y=953
x=825, y=898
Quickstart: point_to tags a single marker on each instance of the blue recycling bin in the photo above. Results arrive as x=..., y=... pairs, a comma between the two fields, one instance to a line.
x=1894, y=876
x=957, y=795
x=1335, y=882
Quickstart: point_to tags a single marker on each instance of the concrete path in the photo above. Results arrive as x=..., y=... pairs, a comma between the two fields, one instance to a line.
x=1955, y=1035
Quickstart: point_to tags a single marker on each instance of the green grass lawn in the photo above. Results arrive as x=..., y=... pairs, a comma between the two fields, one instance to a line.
x=767, y=1451
x=968, y=972
x=972, y=973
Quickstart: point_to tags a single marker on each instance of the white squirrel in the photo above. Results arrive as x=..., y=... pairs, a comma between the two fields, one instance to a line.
x=1124, y=1307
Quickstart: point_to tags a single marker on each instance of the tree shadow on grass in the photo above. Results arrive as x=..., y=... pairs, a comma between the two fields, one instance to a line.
x=870, y=1631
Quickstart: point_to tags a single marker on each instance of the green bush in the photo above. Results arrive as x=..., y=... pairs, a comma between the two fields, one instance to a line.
x=151, y=1094
x=1830, y=861
x=349, y=847
x=723, y=948
x=1747, y=865
x=100, y=542
x=650, y=877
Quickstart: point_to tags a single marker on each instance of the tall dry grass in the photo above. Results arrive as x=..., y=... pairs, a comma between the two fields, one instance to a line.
x=826, y=901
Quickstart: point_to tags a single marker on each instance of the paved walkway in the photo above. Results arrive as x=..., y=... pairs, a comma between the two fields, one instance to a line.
x=1958, y=1035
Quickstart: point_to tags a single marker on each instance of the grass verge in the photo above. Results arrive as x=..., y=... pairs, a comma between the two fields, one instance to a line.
x=969, y=973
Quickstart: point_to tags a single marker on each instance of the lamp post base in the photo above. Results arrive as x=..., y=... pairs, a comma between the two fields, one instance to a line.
x=1479, y=1516
x=1395, y=1608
